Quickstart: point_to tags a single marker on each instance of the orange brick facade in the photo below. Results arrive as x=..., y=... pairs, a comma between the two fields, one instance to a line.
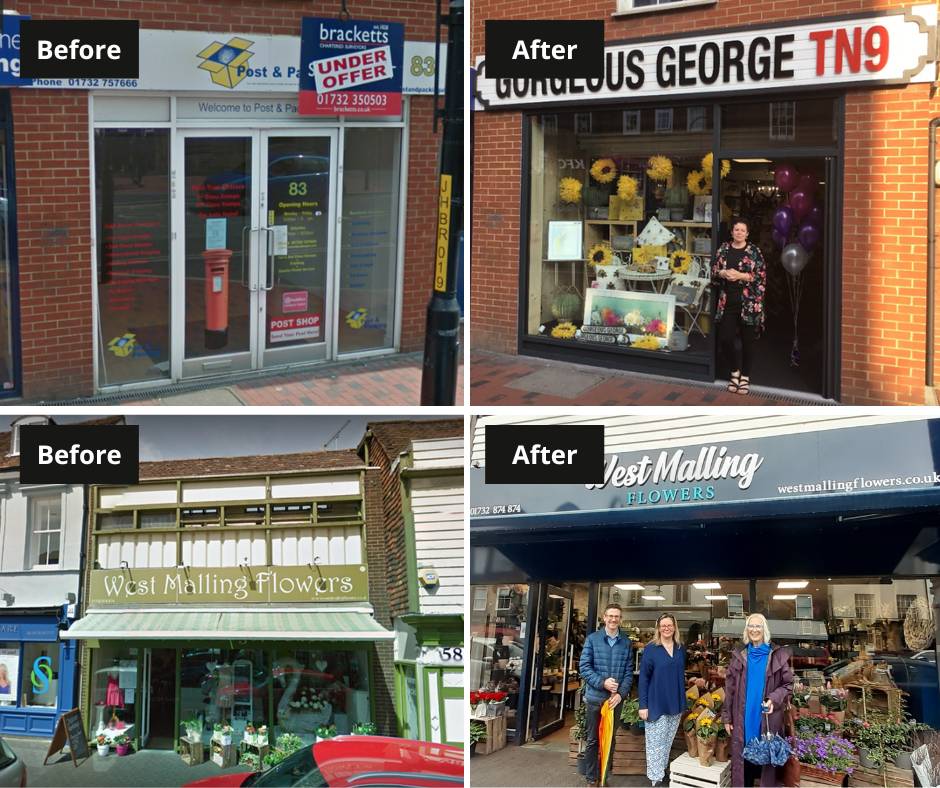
x=884, y=232
x=54, y=203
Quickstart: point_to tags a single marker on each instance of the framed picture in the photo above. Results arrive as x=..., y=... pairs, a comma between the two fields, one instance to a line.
x=550, y=124
x=641, y=313
x=663, y=120
x=702, y=208
x=564, y=241
x=631, y=121
x=582, y=122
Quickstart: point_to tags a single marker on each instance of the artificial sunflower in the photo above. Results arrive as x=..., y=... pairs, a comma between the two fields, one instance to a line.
x=679, y=261
x=698, y=182
x=646, y=343
x=569, y=190
x=564, y=330
x=600, y=254
x=707, y=161
x=627, y=187
x=604, y=170
x=660, y=168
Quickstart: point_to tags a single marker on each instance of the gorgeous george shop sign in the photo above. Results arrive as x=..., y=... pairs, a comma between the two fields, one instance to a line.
x=893, y=48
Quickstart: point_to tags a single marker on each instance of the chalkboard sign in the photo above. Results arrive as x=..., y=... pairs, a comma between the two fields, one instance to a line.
x=70, y=730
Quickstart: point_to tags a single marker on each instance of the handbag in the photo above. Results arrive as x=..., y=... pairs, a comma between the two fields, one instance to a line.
x=790, y=771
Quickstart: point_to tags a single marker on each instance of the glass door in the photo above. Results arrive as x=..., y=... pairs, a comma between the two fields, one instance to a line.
x=217, y=288
x=296, y=246
x=145, y=699
x=550, y=677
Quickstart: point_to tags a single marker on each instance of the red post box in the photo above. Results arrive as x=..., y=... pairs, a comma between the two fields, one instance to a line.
x=217, y=265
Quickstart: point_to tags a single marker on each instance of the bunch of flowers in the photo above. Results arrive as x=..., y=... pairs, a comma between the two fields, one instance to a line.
x=706, y=727
x=647, y=342
x=656, y=327
x=829, y=753
x=564, y=330
x=813, y=724
x=834, y=698
x=492, y=697
x=688, y=724
x=604, y=170
x=698, y=183
x=800, y=697
x=569, y=190
x=627, y=187
x=364, y=729
x=309, y=700
x=679, y=261
x=101, y=739
x=326, y=731
x=707, y=163
x=660, y=168
x=600, y=254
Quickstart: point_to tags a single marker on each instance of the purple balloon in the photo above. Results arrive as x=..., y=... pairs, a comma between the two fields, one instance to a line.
x=783, y=219
x=815, y=216
x=780, y=239
x=808, y=183
x=808, y=236
x=800, y=202
x=786, y=177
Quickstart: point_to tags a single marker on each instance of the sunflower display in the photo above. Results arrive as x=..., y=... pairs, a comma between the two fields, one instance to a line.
x=600, y=254
x=660, y=168
x=679, y=261
x=569, y=190
x=698, y=182
x=707, y=161
x=604, y=170
x=564, y=330
x=627, y=187
x=647, y=342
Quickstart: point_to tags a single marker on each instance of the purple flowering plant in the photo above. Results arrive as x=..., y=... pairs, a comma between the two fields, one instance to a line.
x=829, y=753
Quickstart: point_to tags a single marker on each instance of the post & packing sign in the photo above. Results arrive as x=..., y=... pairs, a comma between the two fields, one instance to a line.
x=896, y=47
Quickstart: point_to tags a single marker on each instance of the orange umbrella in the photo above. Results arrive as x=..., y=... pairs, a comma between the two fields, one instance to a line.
x=605, y=736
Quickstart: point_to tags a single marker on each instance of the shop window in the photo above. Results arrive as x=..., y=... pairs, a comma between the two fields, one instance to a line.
x=244, y=515
x=132, y=201
x=158, y=519
x=45, y=529
x=497, y=645
x=314, y=687
x=41, y=684
x=292, y=514
x=620, y=242
x=409, y=691
x=199, y=517
x=369, y=245
x=116, y=522
x=9, y=672
x=339, y=510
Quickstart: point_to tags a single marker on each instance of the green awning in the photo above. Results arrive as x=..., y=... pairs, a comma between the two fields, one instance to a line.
x=236, y=625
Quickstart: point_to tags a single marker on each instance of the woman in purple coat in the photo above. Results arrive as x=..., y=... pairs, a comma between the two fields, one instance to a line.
x=759, y=674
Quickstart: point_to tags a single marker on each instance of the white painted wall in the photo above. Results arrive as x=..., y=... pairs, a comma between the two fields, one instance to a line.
x=437, y=508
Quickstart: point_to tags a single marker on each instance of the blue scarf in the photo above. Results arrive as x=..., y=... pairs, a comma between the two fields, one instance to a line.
x=754, y=694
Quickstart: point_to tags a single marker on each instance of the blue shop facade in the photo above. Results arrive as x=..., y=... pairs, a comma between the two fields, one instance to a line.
x=832, y=533
x=37, y=673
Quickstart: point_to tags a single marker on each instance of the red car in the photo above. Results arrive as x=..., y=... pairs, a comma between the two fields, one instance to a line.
x=356, y=760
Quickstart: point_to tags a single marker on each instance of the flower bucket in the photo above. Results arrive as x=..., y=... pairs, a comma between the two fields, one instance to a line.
x=225, y=739
x=691, y=743
x=820, y=775
x=706, y=750
x=723, y=750
x=499, y=708
x=123, y=749
x=863, y=759
x=903, y=761
x=104, y=749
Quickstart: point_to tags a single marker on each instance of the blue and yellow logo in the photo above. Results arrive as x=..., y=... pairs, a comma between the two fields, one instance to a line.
x=357, y=318
x=123, y=346
x=41, y=675
x=225, y=62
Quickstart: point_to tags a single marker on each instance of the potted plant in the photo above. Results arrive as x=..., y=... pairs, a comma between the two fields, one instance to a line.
x=826, y=758
x=722, y=743
x=122, y=744
x=800, y=700
x=325, y=732
x=273, y=758
x=630, y=716
x=250, y=760
x=688, y=727
x=364, y=729
x=477, y=734
x=833, y=700
x=907, y=744
x=103, y=746
x=707, y=734
x=193, y=728
x=289, y=742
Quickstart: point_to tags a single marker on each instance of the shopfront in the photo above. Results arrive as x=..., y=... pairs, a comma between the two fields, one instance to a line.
x=229, y=231
x=234, y=600
x=830, y=533
x=37, y=674
x=629, y=182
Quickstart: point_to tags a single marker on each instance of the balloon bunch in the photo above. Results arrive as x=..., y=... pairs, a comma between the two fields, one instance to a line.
x=796, y=231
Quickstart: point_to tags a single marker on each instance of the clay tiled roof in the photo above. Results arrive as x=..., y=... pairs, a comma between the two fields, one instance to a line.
x=238, y=466
x=8, y=462
x=394, y=436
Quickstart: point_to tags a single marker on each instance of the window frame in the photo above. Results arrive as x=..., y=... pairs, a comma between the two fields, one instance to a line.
x=32, y=557
x=626, y=7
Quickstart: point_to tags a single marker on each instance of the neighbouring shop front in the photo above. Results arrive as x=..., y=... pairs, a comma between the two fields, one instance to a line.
x=38, y=673
x=831, y=535
x=629, y=183
x=233, y=601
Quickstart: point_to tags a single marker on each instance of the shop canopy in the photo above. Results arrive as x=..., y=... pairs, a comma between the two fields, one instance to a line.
x=233, y=625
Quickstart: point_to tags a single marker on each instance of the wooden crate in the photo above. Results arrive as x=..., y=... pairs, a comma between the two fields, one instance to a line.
x=192, y=751
x=495, y=735
x=258, y=749
x=882, y=700
x=224, y=755
x=629, y=753
x=893, y=776
x=686, y=772
x=575, y=747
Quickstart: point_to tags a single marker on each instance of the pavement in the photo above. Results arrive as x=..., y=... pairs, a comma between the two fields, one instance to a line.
x=382, y=381
x=146, y=768
x=500, y=379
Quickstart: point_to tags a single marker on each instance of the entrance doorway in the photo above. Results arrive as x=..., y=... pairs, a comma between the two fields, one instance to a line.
x=159, y=687
x=792, y=351
x=252, y=270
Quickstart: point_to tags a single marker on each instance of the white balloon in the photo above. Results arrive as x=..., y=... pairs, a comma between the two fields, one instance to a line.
x=794, y=258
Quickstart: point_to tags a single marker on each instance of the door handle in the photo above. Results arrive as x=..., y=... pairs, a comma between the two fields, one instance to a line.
x=269, y=258
x=243, y=279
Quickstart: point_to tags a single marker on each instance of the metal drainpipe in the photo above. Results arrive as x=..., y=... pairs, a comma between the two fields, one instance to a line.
x=931, y=247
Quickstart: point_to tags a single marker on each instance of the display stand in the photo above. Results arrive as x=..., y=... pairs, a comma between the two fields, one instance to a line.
x=260, y=750
x=192, y=751
x=495, y=734
x=224, y=755
x=686, y=772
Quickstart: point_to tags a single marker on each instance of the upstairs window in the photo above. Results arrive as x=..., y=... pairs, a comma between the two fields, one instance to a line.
x=641, y=6
x=45, y=530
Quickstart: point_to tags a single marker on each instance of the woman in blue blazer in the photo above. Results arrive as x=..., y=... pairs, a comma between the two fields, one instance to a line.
x=662, y=694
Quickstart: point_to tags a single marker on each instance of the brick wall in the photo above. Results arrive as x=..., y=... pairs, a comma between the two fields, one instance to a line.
x=54, y=201
x=394, y=531
x=885, y=207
